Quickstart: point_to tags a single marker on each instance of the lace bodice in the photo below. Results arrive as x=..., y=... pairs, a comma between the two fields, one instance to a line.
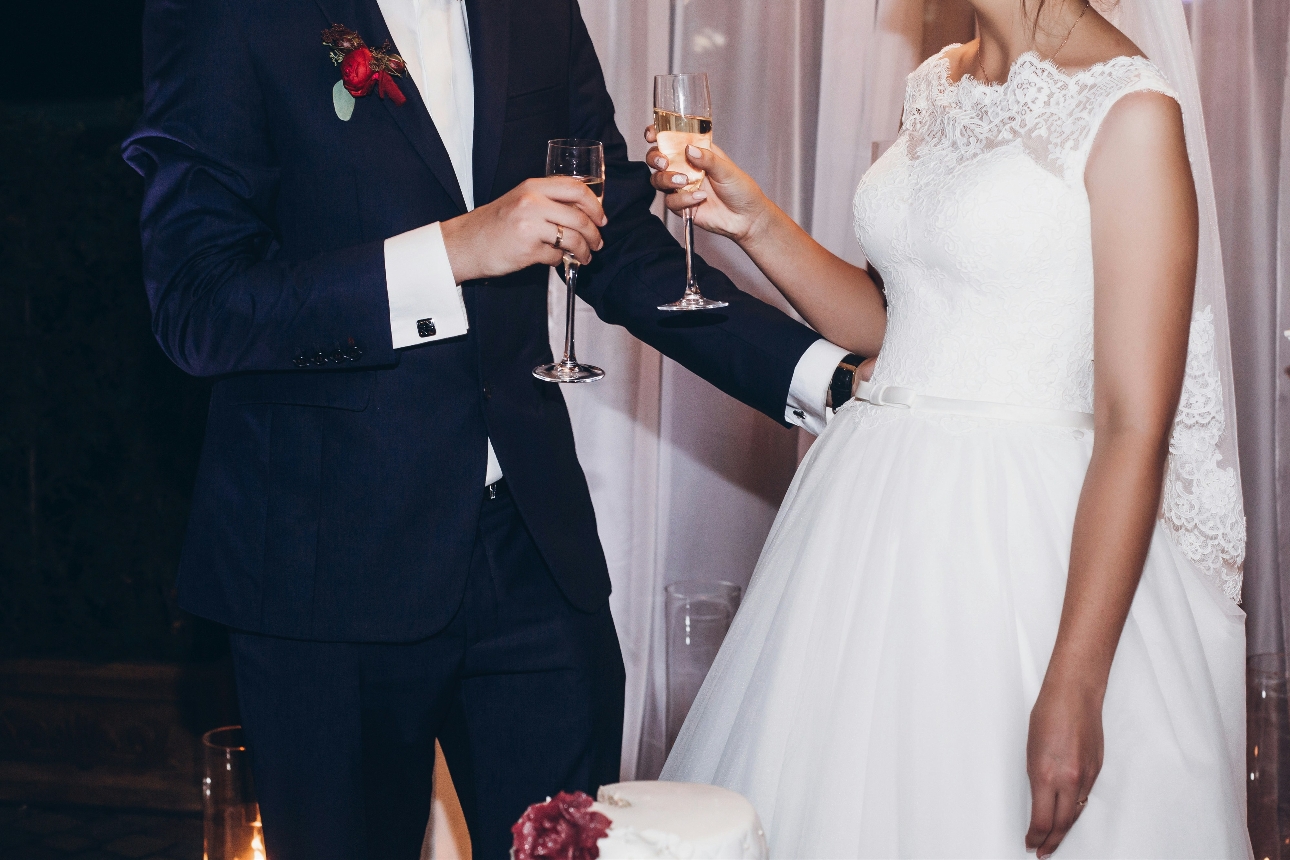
x=978, y=221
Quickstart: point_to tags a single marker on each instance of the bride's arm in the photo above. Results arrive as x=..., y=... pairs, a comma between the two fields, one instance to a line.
x=839, y=300
x=1144, y=215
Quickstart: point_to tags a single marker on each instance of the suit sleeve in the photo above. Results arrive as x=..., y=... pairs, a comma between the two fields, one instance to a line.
x=223, y=297
x=749, y=349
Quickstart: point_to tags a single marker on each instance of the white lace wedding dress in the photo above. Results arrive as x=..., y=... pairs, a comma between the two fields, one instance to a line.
x=873, y=694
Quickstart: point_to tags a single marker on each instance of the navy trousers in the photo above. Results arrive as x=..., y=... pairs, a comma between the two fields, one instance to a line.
x=524, y=693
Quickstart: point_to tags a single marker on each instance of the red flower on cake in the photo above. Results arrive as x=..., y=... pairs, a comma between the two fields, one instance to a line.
x=563, y=828
x=362, y=68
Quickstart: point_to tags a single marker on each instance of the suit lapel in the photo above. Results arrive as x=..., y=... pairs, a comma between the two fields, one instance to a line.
x=490, y=48
x=413, y=117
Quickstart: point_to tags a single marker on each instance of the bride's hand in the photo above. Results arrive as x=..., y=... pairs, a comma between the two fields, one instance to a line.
x=1063, y=758
x=732, y=202
x=864, y=373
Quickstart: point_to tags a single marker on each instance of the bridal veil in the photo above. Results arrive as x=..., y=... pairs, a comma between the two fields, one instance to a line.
x=1201, y=507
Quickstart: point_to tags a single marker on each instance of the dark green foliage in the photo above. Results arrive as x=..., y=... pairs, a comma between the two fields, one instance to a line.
x=100, y=433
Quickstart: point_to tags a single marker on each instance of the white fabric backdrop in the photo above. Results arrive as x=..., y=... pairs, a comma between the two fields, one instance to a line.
x=685, y=480
x=1241, y=56
x=869, y=46
x=1281, y=441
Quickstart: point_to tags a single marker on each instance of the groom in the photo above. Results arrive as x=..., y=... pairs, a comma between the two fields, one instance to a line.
x=389, y=514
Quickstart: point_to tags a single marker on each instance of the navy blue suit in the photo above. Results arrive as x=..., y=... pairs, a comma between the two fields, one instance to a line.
x=338, y=498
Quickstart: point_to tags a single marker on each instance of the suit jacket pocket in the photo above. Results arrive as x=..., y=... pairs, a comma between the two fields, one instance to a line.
x=545, y=100
x=349, y=390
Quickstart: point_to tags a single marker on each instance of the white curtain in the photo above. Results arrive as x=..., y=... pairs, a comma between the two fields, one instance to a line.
x=869, y=48
x=1281, y=441
x=1241, y=56
x=685, y=480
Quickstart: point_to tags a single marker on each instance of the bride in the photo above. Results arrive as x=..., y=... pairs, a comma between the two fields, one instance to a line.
x=977, y=629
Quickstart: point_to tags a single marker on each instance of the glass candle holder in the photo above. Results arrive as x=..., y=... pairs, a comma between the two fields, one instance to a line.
x=1268, y=755
x=698, y=614
x=231, y=826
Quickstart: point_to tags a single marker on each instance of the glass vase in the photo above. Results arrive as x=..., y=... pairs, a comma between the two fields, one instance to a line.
x=1267, y=743
x=698, y=614
x=231, y=826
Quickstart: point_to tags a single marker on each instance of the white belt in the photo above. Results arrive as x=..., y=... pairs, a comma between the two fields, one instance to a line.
x=907, y=398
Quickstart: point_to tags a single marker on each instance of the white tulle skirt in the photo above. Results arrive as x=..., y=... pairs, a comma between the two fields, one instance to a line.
x=873, y=694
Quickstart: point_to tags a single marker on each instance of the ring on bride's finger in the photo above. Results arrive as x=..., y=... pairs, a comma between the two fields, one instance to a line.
x=559, y=237
x=1082, y=803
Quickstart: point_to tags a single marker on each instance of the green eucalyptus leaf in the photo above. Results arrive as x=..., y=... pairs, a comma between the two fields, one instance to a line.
x=343, y=101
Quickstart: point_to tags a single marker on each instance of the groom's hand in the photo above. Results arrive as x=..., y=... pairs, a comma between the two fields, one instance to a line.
x=520, y=229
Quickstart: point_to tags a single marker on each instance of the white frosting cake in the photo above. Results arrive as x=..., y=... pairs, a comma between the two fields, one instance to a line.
x=678, y=820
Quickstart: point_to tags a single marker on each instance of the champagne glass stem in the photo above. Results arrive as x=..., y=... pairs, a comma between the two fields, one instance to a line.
x=571, y=283
x=691, y=285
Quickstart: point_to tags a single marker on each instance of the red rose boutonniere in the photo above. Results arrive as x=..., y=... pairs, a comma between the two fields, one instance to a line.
x=362, y=69
x=563, y=828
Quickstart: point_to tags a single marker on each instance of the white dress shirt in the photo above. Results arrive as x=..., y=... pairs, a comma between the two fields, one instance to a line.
x=433, y=38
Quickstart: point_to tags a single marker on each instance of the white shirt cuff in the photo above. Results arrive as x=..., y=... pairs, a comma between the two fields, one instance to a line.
x=810, y=386
x=425, y=299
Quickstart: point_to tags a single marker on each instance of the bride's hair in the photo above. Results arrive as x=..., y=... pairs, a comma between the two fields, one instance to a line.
x=1039, y=10
x=1034, y=19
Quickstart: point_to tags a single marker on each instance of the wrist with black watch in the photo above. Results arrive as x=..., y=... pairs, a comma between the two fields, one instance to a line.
x=843, y=382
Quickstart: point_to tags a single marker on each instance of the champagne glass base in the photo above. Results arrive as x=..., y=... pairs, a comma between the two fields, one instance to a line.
x=571, y=372
x=693, y=302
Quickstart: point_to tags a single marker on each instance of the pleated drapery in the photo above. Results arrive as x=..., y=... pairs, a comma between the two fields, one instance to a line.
x=685, y=480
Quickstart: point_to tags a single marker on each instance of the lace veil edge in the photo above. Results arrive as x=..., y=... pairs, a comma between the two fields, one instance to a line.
x=1201, y=507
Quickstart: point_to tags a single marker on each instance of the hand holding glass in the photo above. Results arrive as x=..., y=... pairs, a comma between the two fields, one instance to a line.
x=583, y=160
x=683, y=117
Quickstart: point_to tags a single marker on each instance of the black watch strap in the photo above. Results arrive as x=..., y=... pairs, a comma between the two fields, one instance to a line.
x=844, y=378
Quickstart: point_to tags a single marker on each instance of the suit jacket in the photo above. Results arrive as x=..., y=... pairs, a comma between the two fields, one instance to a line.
x=340, y=480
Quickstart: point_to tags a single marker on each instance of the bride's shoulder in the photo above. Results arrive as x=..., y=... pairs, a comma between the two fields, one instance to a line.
x=1109, y=63
x=935, y=71
x=956, y=59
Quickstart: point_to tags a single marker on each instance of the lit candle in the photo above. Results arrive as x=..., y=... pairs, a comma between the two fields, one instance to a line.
x=256, y=850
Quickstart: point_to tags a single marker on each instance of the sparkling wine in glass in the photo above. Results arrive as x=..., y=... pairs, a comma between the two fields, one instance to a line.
x=683, y=117
x=583, y=160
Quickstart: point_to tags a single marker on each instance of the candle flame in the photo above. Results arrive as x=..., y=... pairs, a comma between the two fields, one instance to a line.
x=257, y=840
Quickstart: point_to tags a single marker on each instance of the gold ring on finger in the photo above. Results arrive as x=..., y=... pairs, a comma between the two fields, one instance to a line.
x=1082, y=803
x=559, y=237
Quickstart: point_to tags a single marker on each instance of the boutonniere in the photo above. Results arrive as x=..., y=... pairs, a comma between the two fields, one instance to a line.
x=362, y=69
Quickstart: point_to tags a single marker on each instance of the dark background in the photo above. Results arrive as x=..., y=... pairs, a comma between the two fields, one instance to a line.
x=99, y=441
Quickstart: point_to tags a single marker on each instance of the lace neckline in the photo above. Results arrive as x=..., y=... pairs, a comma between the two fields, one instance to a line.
x=1031, y=58
x=1052, y=112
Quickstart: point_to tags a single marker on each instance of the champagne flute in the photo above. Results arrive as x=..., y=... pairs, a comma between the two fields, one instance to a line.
x=683, y=116
x=583, y=160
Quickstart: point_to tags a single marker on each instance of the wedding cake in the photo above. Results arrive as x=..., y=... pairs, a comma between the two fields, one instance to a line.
x=643, y=821
x=678, y=819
